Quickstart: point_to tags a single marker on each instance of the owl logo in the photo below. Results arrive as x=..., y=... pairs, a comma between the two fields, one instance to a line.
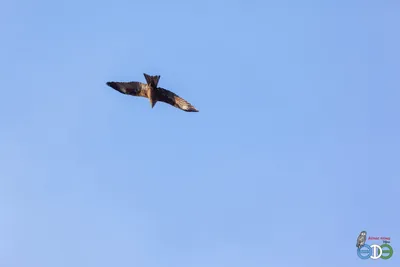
x=361, y=239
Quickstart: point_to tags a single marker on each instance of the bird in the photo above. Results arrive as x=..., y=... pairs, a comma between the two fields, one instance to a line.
x=362, y=237
x=151, y=91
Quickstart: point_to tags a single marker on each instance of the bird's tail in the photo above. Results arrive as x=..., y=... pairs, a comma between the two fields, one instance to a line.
x=152, y=80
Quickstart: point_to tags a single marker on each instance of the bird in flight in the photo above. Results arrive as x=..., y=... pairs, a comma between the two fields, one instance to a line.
x=152, y=92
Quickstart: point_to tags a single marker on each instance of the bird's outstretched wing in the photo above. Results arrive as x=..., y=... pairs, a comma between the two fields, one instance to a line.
x=169, y=97
x=130, y=88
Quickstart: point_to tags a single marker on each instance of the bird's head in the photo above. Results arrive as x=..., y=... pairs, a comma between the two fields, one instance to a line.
x=363, y=233
x=152, y=103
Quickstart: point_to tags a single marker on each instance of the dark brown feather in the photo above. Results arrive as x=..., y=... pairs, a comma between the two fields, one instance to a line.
x=169, y=97
x=152, y=80
x=130, y=88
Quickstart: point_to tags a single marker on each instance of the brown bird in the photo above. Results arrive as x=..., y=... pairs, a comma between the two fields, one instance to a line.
x=152, y=92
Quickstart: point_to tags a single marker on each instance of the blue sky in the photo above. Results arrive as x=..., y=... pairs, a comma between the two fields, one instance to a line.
x=295, y=149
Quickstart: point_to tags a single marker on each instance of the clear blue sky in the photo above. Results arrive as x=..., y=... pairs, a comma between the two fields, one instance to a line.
x=295, y=149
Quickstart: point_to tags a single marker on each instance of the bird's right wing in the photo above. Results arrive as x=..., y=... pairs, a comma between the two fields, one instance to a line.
x=173, y=99
x=130, y=88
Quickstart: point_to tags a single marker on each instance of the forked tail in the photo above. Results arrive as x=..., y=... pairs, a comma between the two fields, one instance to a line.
x=152, y=80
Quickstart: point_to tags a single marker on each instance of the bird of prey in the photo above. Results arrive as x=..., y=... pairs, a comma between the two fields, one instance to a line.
x=361, y=239
x=152, y=92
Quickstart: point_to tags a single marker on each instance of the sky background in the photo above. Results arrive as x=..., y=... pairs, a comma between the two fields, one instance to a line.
x=295, y=149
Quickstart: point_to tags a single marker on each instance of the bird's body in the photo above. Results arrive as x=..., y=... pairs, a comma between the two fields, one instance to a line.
x=362, y=237
x=152, y=92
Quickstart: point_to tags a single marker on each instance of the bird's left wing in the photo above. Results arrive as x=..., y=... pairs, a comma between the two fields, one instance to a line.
x=169, y=97
x=130, y=88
